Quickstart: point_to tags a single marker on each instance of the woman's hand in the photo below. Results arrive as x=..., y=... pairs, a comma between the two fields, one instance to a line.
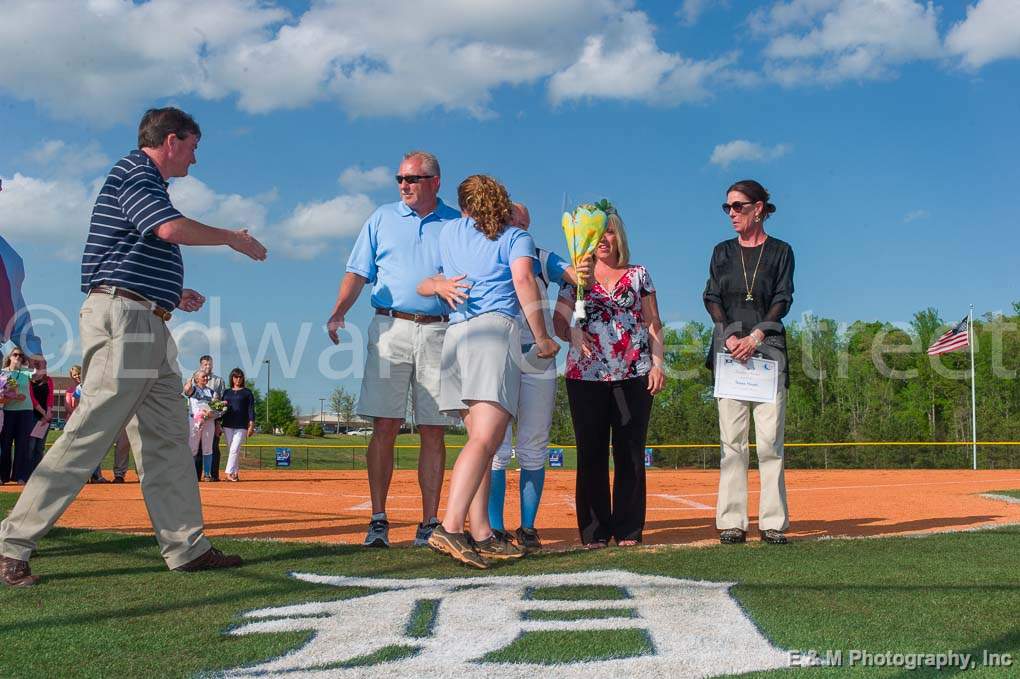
x=585, y=271
x=451, y=289
x=580, y=341
x=744, y=348
x=547, y=347
x=656, y=380
x=251, y=428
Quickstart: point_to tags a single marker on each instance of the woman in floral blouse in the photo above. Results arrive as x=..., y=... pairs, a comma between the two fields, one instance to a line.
x=614, y=368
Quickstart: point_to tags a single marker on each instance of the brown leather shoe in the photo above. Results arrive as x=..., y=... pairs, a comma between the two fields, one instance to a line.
x=211, y=560
x=16, y=573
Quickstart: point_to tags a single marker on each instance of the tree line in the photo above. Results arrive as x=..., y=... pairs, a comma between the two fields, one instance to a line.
x=865, y=381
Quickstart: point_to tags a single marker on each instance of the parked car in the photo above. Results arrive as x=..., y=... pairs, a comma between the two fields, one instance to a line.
x=360, y=432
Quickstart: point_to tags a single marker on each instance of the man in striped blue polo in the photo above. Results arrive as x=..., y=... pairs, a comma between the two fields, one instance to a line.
x=133, y=276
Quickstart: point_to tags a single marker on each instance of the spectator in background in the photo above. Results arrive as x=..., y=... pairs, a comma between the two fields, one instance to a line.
x=218, y=386
x=7, y=394
x=41, y=388
x=202, y=423
x=238, y=421
x=18, y=422
x=71, y=398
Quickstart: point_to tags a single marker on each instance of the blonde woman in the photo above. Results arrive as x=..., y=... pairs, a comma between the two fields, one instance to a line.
x=202, y=426
x=487, y=277
x=614, y=368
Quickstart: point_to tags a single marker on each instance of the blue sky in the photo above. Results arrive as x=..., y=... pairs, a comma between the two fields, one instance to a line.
x=885, y=130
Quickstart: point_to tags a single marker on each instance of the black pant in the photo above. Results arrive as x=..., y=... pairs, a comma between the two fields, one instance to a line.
x=17, y=428
x=618, y=411
x=216, y=456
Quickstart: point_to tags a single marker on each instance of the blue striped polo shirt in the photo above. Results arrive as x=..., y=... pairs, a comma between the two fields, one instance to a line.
x=122, y=249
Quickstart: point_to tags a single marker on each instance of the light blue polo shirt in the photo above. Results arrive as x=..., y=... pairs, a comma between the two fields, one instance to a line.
x=486, y=264
x=395, y=251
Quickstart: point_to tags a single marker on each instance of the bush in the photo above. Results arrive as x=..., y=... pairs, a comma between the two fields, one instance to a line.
x=292, y=429
x=314, y=429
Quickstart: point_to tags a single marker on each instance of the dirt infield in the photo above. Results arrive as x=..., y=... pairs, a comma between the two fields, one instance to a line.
x=333, y=506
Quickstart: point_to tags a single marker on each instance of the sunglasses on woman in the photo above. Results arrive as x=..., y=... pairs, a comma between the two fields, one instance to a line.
x=737, y=205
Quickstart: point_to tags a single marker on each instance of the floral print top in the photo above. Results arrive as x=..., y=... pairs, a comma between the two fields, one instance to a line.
x=615, y=329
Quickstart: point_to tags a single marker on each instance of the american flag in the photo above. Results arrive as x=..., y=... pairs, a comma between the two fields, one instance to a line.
x=955, y=338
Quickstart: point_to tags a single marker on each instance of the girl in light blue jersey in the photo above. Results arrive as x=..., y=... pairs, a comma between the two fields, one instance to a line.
x=487, y=268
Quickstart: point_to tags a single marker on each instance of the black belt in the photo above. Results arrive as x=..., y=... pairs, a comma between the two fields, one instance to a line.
x=133, y=296
x=417, y=318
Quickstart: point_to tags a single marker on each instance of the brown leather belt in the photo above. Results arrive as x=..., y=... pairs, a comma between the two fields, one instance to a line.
x=159, y=311
x=417, y=318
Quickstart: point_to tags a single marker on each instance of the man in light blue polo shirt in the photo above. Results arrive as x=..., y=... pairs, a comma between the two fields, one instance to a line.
x=398, y=247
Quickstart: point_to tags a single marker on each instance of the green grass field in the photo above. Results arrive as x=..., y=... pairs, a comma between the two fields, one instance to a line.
x=108, y=608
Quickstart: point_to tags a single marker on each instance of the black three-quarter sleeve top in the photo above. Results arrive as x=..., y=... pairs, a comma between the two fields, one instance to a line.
x=240, y=408
x=772, y=292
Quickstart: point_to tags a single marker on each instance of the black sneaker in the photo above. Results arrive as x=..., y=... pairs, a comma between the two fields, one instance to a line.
x=774, y=537
x=528, y=539
x=118, y=479
x=378, y=533
x=732, y=536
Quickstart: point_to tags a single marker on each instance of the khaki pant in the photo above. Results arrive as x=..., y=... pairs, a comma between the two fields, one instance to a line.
x=129, y=378
x=734, y=423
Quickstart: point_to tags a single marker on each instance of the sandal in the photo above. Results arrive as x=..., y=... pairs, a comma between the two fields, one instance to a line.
x=627, y=543
x=598, y=544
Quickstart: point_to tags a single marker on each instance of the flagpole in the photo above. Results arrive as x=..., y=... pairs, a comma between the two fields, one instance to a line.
x=973, y=389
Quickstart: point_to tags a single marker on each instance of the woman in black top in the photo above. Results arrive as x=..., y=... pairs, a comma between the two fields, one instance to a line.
x=749, y=291
x=238, y=421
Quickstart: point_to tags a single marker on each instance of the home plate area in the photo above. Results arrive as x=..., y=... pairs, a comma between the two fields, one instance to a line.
x=622, y=624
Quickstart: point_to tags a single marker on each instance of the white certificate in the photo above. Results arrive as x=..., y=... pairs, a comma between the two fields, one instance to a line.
x=756, y=380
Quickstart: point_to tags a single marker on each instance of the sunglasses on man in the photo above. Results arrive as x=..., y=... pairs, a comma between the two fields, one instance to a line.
x=413, y=178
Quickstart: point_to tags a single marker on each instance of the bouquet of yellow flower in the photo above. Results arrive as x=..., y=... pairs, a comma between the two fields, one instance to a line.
x=217, y=406
x=584, y=228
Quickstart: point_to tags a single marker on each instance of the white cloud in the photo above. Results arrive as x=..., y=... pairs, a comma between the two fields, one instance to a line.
x=105, y=59
x=741, y=150
x=59, y=158
x=829, y=41
x=624, y=62
x=914, y=215
x=395, y=58
x=310, y=227
x=356, y=179
x=47, y=211
x=690, y=11
x=784, y=16
x=990, y=32
x=198, y=201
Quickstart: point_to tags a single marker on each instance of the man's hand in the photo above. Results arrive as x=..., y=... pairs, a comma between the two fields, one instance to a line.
x=451, y=289
x=335, y=322
x=247, y=244
x=190, y=300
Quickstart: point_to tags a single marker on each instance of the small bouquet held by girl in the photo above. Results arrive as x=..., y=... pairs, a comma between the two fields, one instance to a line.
x=206, y=411
x=584, y=228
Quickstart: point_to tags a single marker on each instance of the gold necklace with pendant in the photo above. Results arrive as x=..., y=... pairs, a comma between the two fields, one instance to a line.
x=748, y=287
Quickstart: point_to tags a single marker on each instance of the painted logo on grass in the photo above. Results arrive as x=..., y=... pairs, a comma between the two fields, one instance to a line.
x=591, y=625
